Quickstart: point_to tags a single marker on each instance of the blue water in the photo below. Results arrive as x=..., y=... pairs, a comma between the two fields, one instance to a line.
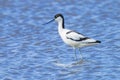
x=31, y=51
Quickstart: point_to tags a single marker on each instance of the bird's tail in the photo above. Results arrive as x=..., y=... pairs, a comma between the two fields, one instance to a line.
x=90, y=40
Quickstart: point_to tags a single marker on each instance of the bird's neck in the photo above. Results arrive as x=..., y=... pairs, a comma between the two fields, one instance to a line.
x=60, y=25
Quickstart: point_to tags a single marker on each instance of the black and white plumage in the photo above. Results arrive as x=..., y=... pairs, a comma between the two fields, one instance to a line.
x=72, y=38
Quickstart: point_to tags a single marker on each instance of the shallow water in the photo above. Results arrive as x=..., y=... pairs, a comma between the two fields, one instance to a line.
x=31, y=51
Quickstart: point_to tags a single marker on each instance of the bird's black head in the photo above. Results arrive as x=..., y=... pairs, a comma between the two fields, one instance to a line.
x=58, y=15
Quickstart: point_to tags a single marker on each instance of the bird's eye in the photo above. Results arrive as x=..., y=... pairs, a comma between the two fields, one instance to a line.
x=56, y=16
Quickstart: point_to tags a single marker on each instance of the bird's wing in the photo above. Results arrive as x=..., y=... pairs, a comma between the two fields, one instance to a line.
x=75, y=36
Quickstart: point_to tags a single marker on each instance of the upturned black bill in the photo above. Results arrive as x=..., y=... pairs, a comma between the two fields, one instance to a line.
x=49, y=22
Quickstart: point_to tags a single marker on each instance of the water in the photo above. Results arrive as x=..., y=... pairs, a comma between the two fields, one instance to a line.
x=31, y=51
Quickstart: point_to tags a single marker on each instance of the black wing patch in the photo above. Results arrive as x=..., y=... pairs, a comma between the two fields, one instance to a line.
x=81, y=39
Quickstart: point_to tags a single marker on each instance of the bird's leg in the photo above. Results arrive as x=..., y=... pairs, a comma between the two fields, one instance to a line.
x=75, y=53
x=80, y=55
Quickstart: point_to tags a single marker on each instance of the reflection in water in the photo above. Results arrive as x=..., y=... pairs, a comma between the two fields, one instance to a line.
x=68, y=65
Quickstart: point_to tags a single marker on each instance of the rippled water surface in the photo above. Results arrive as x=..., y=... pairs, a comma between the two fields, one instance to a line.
x=32, y=51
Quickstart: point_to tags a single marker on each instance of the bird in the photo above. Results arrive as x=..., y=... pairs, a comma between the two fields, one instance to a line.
x=71, y=37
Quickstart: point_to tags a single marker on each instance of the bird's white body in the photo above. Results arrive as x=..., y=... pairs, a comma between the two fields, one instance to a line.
x=75, y=44
x=73, y=38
